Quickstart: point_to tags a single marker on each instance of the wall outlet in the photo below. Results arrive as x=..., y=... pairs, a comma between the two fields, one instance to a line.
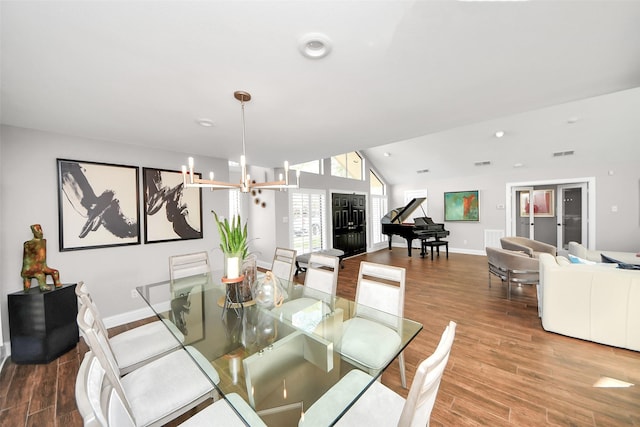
x=464, y=241
x=134, y=294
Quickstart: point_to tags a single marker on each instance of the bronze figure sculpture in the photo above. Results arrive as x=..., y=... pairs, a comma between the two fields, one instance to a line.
x=34, y=262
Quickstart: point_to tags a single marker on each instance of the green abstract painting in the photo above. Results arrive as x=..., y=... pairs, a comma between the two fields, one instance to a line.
x=461, y=206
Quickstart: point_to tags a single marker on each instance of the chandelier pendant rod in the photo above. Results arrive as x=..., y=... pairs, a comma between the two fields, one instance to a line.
x=189, y=178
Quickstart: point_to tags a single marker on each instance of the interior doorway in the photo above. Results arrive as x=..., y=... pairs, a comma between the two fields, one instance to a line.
x=554, y=211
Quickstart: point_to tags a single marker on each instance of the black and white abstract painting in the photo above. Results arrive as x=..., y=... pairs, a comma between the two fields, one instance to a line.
x=98, y=205
x=171, y=211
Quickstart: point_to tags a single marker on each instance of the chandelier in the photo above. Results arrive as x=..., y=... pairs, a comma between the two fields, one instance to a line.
x=246, y=184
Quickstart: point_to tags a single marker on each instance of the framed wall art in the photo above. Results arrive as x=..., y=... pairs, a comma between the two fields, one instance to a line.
x=98, y=205
x=543, y=203
x=461, y=206
x=171, y=212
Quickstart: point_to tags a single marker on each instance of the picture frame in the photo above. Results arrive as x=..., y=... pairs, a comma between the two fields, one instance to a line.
x=543, y=203
x=98, y=205
x=171, y=212
x=461, y=206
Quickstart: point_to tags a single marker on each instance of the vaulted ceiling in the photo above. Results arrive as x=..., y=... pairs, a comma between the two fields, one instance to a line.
x=430, y=79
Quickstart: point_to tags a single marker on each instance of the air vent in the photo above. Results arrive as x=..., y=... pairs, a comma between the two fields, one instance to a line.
x=483, y=163
x=563, y=153
x=422, y=171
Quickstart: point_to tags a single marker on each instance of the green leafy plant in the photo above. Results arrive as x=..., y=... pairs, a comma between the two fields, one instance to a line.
x=233, y=236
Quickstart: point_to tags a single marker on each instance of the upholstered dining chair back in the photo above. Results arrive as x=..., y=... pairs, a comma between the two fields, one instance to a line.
x=426, y=382
x=283, y=263
x=98, y=401
x=321, y=275
x=381, y=287
x=84, y=299
x=188, y=265
x=97, y=341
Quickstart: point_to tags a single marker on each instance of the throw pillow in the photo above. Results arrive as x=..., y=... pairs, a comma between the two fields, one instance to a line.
x=577, y=260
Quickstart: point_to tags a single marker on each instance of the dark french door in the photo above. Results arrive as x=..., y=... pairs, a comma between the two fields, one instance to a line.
x=349, y=223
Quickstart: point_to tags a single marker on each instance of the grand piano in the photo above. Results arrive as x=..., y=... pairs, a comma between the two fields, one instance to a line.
x=422, y=228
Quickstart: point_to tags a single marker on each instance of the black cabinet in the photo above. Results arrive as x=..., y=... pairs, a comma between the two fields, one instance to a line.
x=42, y=324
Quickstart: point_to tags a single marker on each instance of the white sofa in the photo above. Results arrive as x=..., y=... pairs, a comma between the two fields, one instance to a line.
x=577, y=249
x=594, y=302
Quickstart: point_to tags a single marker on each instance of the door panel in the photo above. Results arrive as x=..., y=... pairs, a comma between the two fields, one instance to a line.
x=349, y=231
x=572, y=224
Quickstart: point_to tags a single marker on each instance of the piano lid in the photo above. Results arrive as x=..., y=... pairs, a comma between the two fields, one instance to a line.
x=400, y=215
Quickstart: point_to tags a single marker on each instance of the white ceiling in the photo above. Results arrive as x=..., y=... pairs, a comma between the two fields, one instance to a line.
x=142, y=73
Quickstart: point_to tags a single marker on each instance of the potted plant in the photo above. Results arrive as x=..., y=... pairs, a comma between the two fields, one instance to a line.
x=233, y=242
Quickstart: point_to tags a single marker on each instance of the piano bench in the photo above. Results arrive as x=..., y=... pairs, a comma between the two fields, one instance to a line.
x=304, y=258
x=433, y=244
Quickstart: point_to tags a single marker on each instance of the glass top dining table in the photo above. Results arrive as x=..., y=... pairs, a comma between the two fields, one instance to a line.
x=280, y=360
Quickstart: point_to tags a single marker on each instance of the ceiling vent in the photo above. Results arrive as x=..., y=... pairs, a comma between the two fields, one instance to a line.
x=563, y=153
x=422, y=171
x=483, y=163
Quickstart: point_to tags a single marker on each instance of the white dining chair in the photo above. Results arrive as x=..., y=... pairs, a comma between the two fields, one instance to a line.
x=158, y=391
x=379, y=405
x=101, y=403
x=320, y=284
x=372, y=336
x=283, y=265
x=138, y=346
x=185, y=265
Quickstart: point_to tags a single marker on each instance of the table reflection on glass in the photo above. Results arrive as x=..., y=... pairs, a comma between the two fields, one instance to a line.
x=279, y=359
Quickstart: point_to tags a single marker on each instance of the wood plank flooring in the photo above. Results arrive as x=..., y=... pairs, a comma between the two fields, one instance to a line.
x=504, y=368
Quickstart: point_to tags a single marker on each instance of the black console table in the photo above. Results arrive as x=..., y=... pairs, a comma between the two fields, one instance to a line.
x=42, y=324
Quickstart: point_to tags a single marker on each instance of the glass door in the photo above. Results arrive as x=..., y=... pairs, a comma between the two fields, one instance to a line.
x=523, y=220
x=572, y=219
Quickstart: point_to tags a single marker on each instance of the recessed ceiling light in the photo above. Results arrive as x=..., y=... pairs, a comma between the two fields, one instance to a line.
x=205, y=122
x=314, y=45
x=517, y=165
x=499, y=134
x=572, y=120
x=387, y=154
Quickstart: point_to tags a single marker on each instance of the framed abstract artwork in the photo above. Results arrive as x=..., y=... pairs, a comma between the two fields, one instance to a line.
x=98, y=205
x=543, y=203
x=171, y=212
x=461, y=206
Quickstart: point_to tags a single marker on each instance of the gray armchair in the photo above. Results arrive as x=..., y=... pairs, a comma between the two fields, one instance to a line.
x=512, y=267
x=531, y=247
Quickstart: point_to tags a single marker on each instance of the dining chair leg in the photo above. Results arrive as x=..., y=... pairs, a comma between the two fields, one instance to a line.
x=403, y=375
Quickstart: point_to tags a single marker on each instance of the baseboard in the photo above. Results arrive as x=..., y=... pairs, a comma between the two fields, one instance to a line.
x=5, y=352
x=451, y=250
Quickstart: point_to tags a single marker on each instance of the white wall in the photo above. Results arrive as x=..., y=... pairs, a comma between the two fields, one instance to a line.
x=618, y=231
x=29, y=195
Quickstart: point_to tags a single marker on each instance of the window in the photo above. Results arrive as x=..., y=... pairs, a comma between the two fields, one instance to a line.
x=348, y=165
x=375, y=184
x=413, y=194
x=378, y=207
x=235, y=204
x=307, y=220
x=314, y=166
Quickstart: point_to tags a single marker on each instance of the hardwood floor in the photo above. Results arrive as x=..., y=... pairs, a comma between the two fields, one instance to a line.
x=504, y=368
